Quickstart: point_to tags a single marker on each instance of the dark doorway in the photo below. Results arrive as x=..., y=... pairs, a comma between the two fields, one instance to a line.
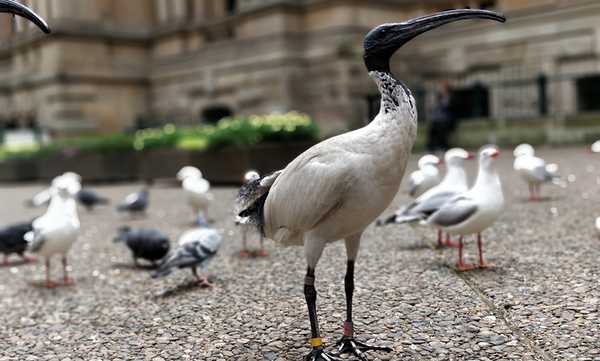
x=471, y=102
x=588, y=92
x=231, y=7
x=215, y=113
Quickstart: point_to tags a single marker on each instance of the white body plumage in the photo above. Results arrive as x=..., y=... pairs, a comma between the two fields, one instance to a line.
x=426, y=177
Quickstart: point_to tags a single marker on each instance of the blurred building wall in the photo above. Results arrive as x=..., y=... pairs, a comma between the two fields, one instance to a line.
x=113, y=64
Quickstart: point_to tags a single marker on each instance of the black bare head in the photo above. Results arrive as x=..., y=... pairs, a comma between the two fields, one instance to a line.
x=384, y=40
x=13, y=7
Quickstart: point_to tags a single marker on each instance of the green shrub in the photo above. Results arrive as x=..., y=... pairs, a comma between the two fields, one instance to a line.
x=236, y=132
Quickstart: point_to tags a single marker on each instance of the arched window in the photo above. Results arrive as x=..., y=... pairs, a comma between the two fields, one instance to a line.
x=215, y=113
x=231, y=7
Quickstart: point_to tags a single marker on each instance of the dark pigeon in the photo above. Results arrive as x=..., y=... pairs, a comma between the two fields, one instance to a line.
x=12, y=240
x=135, y=202
x=148, y=244
x=90, y=199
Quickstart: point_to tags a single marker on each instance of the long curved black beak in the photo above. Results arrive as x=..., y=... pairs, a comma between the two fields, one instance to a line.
x=383, y=41
x=13, y=7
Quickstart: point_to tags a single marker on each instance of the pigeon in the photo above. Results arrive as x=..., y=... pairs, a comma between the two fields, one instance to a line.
x=196, y=248
x=12, y=240
x=90, y=199
x=55, y=232
x=197, y=190
x=426, y=177
x=473, y=211
x=135, y=203
x=148, y=244
x=534, y=170
x=248, y=227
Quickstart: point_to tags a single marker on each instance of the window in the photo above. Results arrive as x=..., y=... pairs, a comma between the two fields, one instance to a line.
x=231, y=7
x=588, y=91
x=215, y=113
x=487, y=4
x=470, y=102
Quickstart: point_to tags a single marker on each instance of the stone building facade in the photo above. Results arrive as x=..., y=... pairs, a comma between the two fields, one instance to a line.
x=112, y=65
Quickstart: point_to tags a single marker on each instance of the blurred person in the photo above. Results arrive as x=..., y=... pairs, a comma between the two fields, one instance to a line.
x=442, y=120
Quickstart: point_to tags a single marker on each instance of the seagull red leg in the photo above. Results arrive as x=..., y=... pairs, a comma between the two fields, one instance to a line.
x=461, y=265
x=482, y=263
x=262, y=252
x=244, y=252
x=5, y=260
x=49, y=283
x=66, y=279
x=449, y=242
x=440, y=242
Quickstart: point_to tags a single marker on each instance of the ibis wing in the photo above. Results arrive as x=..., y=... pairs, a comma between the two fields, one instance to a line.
x=454, y=212
x=309, y=189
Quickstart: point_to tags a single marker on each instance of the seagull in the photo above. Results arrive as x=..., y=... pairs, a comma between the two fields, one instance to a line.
x=454, y=182
x=12, y=241
x=475, y=210
x=426, y=177
x=249, y=227
x=595, y=148
x=90, y=199
x=196, y=189
x=56, y=231
x=533, y=170
x=336, y=188
x=42, y=199
x=196, y=248
x=135, y=203
x=14, y=7
x=598, y=225
x=148, y=244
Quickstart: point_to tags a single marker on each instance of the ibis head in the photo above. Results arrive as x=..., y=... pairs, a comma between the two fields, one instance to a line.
x=14, y=7
x=383, y=41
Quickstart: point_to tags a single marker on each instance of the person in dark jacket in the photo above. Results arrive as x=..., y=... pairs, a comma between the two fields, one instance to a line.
x=442, y=121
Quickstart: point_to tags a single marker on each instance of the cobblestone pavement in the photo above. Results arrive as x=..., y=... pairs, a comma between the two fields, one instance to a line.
x=540, y=302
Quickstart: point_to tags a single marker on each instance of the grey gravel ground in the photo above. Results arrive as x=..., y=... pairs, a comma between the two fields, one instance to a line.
x=539, y=303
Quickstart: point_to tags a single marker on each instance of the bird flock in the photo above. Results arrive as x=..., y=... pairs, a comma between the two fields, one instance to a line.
x=333, y=191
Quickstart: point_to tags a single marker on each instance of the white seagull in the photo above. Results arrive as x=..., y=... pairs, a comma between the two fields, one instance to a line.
x=248, y=227
x=43, y=198
x=426, y=177
x=55, y=232
x=197, y=190
x=595, y=148
x=454, y=182
x=533, y=170
x=335, y=189
x=475, y=210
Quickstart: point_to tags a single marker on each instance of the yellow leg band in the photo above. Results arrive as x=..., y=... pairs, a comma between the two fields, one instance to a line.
x=316, y=342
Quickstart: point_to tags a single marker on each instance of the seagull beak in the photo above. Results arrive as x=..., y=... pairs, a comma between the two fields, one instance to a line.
x=496, y=154
x=13, y=7
x=471, y=156
x=383, y=41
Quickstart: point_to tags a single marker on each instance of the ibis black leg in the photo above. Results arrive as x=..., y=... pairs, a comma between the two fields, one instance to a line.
x=348, y=344
x=310, y=293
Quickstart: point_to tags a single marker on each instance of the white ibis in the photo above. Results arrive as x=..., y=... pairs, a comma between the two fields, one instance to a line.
x=336, y=188
x=454, y=182
x=55, y=232
x=475, y=210
x=197, y=190
x=426, y=177
x=533, y=170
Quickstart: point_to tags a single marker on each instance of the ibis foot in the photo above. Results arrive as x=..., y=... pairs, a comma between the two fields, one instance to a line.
x=318, y=354
x=349, y=345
